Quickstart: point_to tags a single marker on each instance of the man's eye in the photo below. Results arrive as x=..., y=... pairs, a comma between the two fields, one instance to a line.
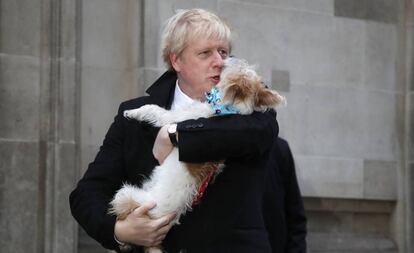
x=223, y=53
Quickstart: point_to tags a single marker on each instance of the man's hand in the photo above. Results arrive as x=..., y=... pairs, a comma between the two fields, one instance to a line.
x=162, y=146
x=139, y=229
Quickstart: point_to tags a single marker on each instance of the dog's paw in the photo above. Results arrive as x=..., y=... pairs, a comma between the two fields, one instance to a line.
x=130, y=114
x=147, y=113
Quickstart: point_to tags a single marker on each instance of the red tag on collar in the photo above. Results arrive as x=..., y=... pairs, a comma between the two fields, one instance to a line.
x=202, y=189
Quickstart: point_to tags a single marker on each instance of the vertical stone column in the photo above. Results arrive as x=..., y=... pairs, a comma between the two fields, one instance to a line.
x=404, y=218
x=59, y=123
x=409, y=105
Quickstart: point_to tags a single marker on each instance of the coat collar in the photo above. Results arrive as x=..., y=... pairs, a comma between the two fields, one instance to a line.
x=162, y=91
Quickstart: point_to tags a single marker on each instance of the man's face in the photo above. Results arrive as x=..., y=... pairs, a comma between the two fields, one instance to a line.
x=199, y=66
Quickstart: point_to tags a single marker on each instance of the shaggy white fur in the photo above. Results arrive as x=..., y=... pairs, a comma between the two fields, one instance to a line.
x=171, y=186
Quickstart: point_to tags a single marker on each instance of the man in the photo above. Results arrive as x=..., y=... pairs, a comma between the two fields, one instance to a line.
x=229, y=217
x=283, y=209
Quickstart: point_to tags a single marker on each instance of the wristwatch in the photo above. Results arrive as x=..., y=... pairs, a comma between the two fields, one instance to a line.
x=172, y=133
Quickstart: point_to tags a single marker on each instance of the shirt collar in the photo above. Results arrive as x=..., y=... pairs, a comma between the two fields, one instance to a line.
x=181, y=100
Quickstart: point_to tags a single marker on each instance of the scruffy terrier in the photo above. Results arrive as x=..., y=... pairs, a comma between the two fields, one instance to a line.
x=174, y=185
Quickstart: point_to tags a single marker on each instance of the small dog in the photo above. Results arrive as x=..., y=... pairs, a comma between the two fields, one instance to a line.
x=174, y=185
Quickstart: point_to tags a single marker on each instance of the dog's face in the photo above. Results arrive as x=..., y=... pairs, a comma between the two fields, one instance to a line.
x=243, y=88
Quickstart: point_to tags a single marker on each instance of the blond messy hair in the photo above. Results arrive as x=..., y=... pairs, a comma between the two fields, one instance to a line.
x=187, y=25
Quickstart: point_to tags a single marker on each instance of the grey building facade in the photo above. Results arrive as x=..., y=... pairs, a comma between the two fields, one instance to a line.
x=345, y=66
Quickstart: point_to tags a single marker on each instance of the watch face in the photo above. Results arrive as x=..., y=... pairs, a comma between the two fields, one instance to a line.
x=172, y=129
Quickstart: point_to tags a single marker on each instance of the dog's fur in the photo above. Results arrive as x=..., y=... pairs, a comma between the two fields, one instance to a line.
x=174, y=185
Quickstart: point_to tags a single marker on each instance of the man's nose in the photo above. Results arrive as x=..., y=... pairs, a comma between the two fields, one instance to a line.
x=218, y=60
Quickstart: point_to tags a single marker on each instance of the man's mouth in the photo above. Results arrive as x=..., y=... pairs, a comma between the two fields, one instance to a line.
x=216, y=79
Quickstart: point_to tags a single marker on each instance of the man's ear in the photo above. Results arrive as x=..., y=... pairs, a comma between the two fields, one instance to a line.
x=175, y=62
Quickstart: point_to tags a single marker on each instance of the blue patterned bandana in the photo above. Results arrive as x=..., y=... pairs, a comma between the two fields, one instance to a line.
x=214, y=99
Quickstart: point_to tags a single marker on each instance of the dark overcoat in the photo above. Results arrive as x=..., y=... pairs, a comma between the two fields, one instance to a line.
x=283, y=209
x=229, y=218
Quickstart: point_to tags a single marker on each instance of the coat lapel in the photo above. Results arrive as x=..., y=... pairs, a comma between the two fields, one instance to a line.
x=162, y=91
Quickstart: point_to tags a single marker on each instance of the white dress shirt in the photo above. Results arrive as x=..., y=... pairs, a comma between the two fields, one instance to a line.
x=181, y=100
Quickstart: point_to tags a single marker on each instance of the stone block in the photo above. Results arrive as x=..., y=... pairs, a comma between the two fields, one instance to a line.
x=348, y=222
x=330, y=177
x=412, y=10
x=19, y=97
x=317, y=6
x=349, y=205
x=280, y=80
x=315, y=49
x=102, y=92
x=337, y=122
x=381, y=48
x=409, y=203
x=380, y=180
x=409, y=52
x=147, y=76
x=411, y=69
x=88, y=154
x=325, y=221
x=20, y=26
x=411, y=127
x=153, y=25
x=189, y=4
x=376, y=10
x=66, y=175
x=410, y=175
x=69, y=34
x=342, y=242
x=369, y=223
x=19, y=166
x=68, y=102
x=110, y=35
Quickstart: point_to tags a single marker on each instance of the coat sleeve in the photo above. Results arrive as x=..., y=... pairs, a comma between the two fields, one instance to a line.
x=226, y=137
x=294, y=209
x=89, y=200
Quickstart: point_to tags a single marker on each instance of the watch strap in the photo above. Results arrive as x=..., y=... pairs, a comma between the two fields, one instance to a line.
x=173, y=138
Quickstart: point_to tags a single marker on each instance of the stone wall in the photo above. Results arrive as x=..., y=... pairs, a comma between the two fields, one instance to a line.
x=345, y=66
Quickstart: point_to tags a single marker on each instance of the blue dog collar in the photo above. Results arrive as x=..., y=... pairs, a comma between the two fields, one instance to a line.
x=214, y=99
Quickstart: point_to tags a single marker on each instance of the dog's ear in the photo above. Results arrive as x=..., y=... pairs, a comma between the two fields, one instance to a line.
x=267, y=98
x=238, y=88
x=231, y=92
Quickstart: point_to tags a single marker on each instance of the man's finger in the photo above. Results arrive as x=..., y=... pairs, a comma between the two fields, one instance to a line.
x=157, y=244
x=161, y=238
x=165, y=220
x=143, y=210
x=164, y=230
